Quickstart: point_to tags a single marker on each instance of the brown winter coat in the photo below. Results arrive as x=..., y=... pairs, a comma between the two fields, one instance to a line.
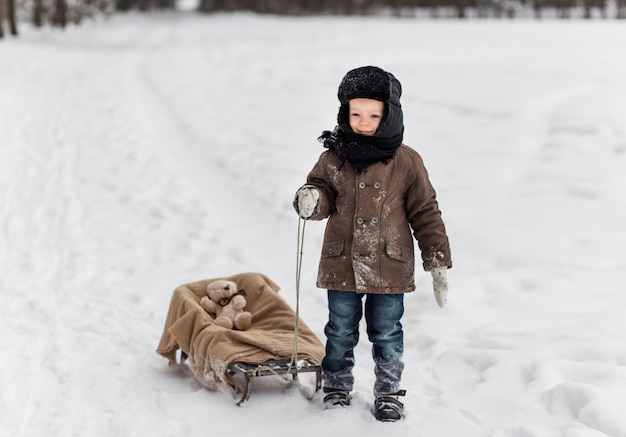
x=368, y=247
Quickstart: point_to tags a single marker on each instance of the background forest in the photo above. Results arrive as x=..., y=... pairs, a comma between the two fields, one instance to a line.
x=61, y=12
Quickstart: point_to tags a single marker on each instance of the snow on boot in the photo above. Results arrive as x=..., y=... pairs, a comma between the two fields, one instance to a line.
x=388, y=408
x=336, y=398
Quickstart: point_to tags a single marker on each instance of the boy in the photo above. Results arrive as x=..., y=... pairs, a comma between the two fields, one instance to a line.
x=374, y=191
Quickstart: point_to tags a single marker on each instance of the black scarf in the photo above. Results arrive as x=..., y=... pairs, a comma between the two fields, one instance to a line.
x=360, y=150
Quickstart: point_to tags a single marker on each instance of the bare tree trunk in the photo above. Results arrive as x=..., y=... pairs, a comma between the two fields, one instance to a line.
x=59, y=17
x=460, y=9
x=587, y=9
x=38, y=13
x=123, y=5
x=2, y=17
x=621, y=9
x=537, y=8
x=11, y=15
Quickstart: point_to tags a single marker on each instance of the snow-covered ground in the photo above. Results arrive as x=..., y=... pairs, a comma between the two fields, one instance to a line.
x=148, y=151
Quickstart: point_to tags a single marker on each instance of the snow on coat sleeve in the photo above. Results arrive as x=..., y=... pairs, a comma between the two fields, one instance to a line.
x=425, y=220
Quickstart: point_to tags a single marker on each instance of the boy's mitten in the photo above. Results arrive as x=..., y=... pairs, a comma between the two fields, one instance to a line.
x=440, y=285
x=307, y=198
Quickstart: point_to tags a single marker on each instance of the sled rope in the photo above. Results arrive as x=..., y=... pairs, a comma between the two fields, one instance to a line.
x=299, y=252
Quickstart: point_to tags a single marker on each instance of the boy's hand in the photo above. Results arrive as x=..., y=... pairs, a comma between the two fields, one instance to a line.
x=307, y=201
x=440, y=285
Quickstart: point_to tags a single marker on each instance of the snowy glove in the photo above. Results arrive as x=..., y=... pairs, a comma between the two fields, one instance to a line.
x=307, y=201
x=440, y=285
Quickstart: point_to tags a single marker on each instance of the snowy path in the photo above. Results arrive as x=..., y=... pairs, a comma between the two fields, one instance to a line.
x=145, y=152
x=118, y=201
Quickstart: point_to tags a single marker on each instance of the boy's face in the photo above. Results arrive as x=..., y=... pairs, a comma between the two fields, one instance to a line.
x=365, y=115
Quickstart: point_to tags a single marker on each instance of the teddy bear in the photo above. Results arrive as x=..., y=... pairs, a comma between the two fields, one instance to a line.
x=227, y=303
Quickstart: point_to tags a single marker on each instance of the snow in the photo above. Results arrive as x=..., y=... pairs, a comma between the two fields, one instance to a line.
x=147, y=151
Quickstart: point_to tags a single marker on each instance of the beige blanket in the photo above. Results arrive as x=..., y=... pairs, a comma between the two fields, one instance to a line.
x=212, y=348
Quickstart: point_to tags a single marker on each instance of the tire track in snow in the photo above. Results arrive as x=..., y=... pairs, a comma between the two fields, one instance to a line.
x=82, y=215
x=238, y=212
x=37, y=213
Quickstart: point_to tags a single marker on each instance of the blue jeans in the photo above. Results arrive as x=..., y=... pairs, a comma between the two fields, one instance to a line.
x=382, y=314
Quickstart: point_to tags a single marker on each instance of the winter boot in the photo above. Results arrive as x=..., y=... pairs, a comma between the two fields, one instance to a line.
x=336, y=398
x=389, y=408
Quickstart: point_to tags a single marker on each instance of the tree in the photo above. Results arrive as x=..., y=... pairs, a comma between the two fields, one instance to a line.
x=59, y=18
x=38, y=13
x=2, y=9
x=7, y=12
x=621, y=9
x=588, y=5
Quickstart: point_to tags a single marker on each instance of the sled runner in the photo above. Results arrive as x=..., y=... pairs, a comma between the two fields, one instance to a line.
x=269, y=368
x=216, y=356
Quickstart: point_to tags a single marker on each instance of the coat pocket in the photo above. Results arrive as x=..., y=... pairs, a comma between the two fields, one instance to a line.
x=332, y=264
x=399, y=253
x=399, y=266
x=334, y=248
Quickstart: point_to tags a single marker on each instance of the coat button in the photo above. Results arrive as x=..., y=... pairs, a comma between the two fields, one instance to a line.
x=360, y=220
x=362, y=184
x=377, y=185
x=356, y=255
x=330, y=251
x=372, y=254
x=374, y=220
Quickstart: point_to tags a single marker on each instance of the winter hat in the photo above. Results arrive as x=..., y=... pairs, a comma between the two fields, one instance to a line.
x=362, y=151
x=371, y=83
x=366, y=83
